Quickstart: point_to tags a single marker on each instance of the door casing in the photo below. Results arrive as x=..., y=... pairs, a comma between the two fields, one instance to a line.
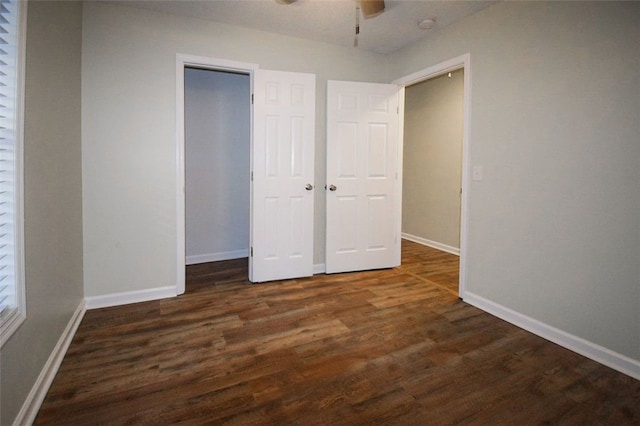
x=462, y=61
x=214, y=64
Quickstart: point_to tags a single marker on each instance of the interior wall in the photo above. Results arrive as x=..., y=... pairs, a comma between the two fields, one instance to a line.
x=554, y=231
x=217, y=159
x=554, y=227
x=52, y=197
x=128, y=130
x=432, y=163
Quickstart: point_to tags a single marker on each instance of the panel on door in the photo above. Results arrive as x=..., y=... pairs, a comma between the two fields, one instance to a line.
x=362, y=166
x=282, y=176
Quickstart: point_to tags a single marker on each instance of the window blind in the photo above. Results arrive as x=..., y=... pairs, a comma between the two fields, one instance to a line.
x=11, y=285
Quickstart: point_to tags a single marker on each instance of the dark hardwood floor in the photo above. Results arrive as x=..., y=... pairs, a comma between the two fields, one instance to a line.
x=379, y=347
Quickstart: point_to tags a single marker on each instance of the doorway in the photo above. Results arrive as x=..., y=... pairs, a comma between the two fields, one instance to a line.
x=184, y=62
x=452, y=186
x=217, y=164
x=433, y=162
x=432, y=165
x=281, y=129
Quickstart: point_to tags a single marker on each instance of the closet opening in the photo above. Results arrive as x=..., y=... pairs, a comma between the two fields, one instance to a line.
x=217, y=159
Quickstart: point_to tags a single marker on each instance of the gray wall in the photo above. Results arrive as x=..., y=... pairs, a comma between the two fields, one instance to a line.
x=53, y=204
x=217, y=142
x=432, y=164
x=128, y=130
x=554, y=228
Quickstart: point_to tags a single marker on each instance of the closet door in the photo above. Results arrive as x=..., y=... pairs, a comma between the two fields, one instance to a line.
x=282, y=176
x=362, y=176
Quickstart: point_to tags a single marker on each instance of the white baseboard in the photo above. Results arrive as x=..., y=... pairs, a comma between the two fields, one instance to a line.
x=319, y=268
x=215, y=257
x=433, y=244
x=36, y=396
x=117, y=299
x=619, y=362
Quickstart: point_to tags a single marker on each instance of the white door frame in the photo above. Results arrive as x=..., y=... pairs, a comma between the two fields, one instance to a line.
x=214, y=64
x=464, y=62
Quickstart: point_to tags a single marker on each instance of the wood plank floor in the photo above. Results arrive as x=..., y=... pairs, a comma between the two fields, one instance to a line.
x=380, y=347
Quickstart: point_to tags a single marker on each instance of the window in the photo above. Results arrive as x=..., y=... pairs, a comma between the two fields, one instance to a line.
x=12, y=294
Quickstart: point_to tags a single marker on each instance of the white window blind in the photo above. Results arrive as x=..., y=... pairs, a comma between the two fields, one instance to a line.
x=12, y=298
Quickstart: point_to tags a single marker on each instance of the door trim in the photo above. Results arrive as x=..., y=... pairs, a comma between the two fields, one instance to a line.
x=460, y=62
x=214, y=64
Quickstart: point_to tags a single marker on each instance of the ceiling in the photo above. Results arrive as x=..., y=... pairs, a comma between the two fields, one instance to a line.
x=330, y=21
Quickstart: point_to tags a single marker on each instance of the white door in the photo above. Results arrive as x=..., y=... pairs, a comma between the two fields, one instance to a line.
x=282, y=176
x=362, y=176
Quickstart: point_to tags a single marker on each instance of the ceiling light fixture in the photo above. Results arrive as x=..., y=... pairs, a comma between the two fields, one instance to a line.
x=426, y=24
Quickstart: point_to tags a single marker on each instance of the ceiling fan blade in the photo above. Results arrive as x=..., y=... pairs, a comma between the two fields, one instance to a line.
x=371, y=8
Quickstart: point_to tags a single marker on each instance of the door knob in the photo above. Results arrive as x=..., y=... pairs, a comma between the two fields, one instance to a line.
x=308, y=187
x=332, y=188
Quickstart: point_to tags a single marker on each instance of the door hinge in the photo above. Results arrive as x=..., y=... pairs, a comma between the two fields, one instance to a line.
x=251, y=251
x=252, y=99
x=251, y=176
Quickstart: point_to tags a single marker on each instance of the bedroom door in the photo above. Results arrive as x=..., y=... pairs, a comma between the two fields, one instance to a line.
x=362, y=176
